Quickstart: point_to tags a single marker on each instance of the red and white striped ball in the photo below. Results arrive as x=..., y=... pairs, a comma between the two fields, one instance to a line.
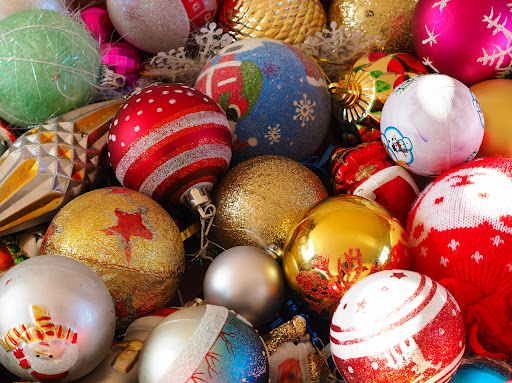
x=397, y=326
x=168, y=138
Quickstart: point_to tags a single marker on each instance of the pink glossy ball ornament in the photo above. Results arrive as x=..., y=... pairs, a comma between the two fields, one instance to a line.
x=469, y=40
x=97, y=21
x=122, y=58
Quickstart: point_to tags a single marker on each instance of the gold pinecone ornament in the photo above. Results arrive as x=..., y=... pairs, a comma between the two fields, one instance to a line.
x=291, y=21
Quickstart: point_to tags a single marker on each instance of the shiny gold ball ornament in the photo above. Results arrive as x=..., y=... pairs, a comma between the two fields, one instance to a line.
x=338, y=242
x=258, y=200
x=391, y=19
x=129, y=240
x=291, y=21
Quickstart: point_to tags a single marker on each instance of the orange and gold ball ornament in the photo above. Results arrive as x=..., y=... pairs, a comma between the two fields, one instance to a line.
x=129, y=240
x=338, y=242
x=495, y=98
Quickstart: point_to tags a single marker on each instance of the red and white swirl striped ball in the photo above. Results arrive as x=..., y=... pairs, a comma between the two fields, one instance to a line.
x=397, y=326
x=168, y=138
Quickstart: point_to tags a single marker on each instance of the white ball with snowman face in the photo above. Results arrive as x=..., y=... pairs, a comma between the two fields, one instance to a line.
x=57, y=319
x=432, y=123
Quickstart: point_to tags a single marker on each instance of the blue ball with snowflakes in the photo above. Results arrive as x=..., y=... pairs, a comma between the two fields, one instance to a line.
x=274, y=96
x=205, y=343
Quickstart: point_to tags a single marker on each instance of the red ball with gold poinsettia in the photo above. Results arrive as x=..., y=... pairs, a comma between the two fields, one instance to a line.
x=168, y=138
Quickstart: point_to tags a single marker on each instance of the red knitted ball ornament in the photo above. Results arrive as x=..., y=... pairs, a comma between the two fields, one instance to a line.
x=460, y=231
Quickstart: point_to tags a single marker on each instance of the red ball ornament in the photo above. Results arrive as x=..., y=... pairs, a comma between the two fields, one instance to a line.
x=397, y=326
x=470, y=40
x=168, y=138
x=460, y=231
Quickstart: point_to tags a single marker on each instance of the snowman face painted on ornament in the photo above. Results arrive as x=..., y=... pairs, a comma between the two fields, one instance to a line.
x=58, y=333
x=432, y=123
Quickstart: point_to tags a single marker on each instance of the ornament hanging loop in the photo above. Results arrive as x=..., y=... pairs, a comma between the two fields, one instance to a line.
x=198, y=199
x=110, y=79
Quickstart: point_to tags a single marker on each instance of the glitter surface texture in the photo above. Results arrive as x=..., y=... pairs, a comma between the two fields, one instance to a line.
x=397, y=326
x=274, y=96
x=150, y=25
x=168, y=138
x=391, y=19
x=128, y=240
x=291, y=21
x=50, y=65
x=258, y=200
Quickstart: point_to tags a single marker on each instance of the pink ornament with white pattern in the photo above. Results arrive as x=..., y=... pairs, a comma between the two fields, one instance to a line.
x=460, y=231
x=470, y=40
x=168, y=138
x=397, y=326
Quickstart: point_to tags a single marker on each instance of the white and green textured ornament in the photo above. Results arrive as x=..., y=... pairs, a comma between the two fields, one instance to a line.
x=50, y=64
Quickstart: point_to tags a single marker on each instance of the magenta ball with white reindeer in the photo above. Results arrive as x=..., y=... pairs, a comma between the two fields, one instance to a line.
x=397, y=326
x=57, y=321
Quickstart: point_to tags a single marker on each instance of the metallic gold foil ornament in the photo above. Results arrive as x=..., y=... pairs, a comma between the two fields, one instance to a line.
x=258, y=200
x=51, y=164
x=291, y=21
x=391, y=19
x=360, y=93
x=338, y=242
x=129, y=240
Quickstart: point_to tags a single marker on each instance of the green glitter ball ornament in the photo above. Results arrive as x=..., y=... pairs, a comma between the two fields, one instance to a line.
x=49, y=65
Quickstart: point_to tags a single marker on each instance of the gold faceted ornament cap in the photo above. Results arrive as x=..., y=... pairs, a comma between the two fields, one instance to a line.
x=291, y=21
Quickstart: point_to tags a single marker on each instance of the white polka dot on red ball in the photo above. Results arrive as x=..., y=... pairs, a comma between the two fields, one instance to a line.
x=168, y=138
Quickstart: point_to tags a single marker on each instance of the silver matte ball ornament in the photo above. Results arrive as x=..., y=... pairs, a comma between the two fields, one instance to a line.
x=203, y=344
x=247, y=280
x=57, y=319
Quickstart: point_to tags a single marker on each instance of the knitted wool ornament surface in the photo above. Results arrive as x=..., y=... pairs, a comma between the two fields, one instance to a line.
x=460, y=231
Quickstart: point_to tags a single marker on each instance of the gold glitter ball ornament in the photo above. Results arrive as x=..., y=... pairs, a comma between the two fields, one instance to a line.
x=291, y=21
x=391, y=19
x=258, y=200
x=129, y=240
x=338, y=242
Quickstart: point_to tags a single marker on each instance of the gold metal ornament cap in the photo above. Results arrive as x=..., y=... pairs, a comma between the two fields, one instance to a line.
x=129, y=240
x=291, y=21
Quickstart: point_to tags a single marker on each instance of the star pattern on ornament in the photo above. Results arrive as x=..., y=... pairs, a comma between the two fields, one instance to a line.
x=453, y=244
x=424, y=251
x=496, y=241
x=129, y=225
x=444, y=261
x=477, y=257
x=431, y=37
x=398, y=275
x=441, y=4
x=361, y=305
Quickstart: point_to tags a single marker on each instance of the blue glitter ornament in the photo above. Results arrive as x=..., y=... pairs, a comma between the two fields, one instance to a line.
x=273, y=94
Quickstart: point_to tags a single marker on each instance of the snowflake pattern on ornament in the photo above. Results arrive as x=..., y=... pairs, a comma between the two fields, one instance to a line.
x=441, y=4
x=498, y=55
x=274, y=134
x=304, y=110
x=270, y=69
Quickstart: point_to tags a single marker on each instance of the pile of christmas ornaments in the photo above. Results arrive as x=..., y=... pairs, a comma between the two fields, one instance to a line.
x=255, y=191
